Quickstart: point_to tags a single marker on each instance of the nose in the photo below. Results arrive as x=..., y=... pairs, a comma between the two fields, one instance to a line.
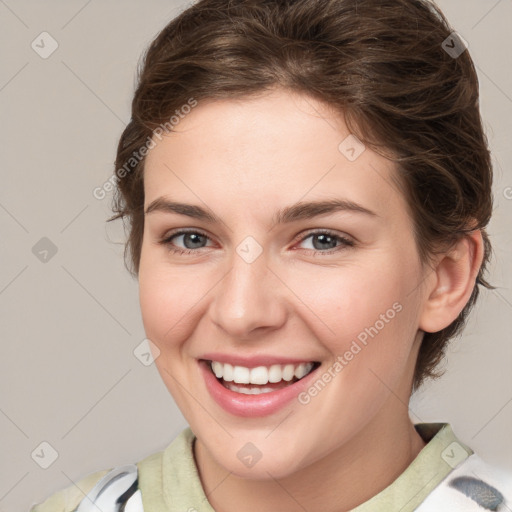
x=249, y=300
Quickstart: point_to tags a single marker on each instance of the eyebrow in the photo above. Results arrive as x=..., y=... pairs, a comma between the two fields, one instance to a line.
x=295, y=212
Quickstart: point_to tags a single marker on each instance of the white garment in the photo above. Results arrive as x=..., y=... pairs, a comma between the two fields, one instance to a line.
x=119, y=486
x=473, y=486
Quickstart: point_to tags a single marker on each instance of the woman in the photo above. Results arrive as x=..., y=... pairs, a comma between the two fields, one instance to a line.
x=307, y=185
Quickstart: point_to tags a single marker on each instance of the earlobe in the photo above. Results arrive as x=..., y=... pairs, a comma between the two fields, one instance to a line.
x=455, y=275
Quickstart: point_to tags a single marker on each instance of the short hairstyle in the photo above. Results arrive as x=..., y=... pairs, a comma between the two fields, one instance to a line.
x=384, y=65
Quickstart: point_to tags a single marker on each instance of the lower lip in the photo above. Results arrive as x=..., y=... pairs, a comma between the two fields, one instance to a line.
x=252, y=406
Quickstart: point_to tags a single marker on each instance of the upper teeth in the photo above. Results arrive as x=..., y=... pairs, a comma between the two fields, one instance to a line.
x=260, y=374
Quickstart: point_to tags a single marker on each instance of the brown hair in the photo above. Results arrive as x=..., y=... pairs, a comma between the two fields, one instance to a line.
x=382, y=64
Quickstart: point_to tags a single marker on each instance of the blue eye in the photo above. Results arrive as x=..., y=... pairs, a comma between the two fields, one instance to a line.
x=329, y=238
x=193, y=236
x=194, y=240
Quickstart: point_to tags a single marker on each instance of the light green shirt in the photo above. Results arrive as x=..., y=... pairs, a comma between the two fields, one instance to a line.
x=169, y=480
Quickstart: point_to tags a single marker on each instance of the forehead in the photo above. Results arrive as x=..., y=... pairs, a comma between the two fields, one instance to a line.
x=273, y=149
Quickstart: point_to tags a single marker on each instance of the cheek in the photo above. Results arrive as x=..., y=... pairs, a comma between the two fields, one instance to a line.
x=342, y=301
x=167, y=298
x=167, y=303
x=366, y=319
x=364, y=312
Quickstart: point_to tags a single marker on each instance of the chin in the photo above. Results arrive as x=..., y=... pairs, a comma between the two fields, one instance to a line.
x=259, y=459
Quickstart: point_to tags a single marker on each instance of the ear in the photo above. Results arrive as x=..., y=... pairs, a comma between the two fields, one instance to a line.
x=455, y=276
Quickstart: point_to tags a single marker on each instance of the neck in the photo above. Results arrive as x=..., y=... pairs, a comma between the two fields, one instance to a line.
x=347, y=477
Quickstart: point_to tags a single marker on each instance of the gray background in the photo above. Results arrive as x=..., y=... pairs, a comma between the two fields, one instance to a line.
x=70, y=324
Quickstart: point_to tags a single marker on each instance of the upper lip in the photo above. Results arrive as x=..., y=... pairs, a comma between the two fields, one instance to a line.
x=253, y=361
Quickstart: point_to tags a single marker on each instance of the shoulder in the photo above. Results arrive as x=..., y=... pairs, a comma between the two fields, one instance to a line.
x=120, y=485
x=67, y=499
x=472, y=485
x=115, y=489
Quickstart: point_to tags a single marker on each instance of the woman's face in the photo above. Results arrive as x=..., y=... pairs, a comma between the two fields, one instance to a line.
x=266, y=285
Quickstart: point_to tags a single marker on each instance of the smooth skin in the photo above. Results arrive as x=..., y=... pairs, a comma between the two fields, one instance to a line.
x=243, y=160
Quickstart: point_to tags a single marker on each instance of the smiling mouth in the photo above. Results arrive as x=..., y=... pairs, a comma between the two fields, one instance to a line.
x=261, y=379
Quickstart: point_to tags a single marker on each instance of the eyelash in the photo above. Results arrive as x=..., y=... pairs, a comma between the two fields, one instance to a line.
x=345, y=242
